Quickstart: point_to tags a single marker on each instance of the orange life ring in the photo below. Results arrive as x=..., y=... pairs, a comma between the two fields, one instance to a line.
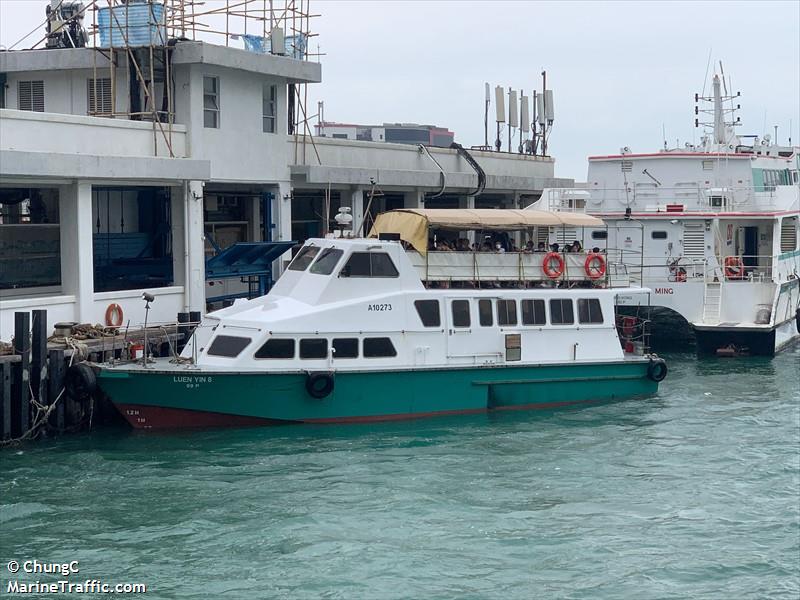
x=553, y=273
x=734, y=267
x=114, y=310
x=595, y=265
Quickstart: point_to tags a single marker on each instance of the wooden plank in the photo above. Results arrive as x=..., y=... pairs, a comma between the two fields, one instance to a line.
x=20, y=390
x=55, y=382
x=5, y=401
x=39, y=356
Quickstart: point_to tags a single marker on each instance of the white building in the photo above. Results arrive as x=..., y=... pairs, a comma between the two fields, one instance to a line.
x=94, y=209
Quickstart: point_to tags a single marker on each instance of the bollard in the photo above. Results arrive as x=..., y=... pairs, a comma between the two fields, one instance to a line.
x=20, y=390
x=5, y=400
x=55, y=384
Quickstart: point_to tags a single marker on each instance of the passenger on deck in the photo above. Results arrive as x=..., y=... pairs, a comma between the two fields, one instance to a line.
x=529, y=247
x=462, y=245
x=498, y=247
x=576, y=246
x=542, y=247
x=554, y=247
x=596, y=250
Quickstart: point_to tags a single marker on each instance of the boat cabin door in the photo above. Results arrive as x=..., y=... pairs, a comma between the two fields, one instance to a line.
x=750, y=250
x=469, y=331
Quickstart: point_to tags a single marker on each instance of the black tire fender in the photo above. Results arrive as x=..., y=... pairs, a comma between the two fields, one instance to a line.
x=657, y=369
x=319, y=385
x=80, y=382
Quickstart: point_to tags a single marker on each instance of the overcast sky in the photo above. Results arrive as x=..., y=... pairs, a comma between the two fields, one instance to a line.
x=619, y=70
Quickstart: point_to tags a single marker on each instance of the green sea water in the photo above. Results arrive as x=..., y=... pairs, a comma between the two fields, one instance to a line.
x=692, y=493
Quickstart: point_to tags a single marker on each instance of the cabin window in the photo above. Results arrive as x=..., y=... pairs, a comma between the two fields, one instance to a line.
x=304, y=258
x=533, y=312
x=211, y=102
x=314, y=348
x=485, y=313
x=228, y=346
x=600, y=235
x=589, y=311
x=460, y=309
x=345, y=348
x=506, y=312
x=708, y=165
x=326, y=263
x=658, y=235
x=381, y=347
x=276, y=348
x=561, y=312
x=788, y=234
x=428, y=311
x=369, y=264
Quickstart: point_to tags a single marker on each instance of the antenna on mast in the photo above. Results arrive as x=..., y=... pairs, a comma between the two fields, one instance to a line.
x=486, y=116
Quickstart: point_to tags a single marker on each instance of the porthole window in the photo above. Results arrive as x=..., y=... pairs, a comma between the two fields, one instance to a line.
x=228, y=346
x=276, y=348
x=533, y=312
x=314, y=348
x=379, y=348
x=428, y=311
x=460, y=310
x=561, y=312
x=589, y=310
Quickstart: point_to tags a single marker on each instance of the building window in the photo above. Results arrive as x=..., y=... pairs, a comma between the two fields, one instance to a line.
x=211, y=102
x=327, y=261
x=132, y=241
x=276, y=348
x=30, y=96
x=314, y=348
x=658, y=235
x=269, y=110
x=345, y=348
x=339, y=136
x=369, y=264
x=461, y=313
x=589, y=311
x=561, y=312
x=98, y=96
x=485, y=313
x=30, y=239
x=379, y=348
x=428, y=311
x=228, y=346
x=533, y=312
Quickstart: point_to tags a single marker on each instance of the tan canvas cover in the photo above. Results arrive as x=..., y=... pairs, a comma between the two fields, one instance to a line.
x=413, y=223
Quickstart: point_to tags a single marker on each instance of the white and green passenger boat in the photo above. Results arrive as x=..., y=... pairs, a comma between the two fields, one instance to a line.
x=351, y=332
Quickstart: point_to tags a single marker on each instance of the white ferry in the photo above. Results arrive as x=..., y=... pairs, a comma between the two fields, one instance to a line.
x=713, y=230
x=351, y=333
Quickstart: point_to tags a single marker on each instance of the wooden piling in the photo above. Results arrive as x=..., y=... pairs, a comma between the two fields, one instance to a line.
x=39, y=356
x=20, y=390
x=55, y=385
x=5, y=400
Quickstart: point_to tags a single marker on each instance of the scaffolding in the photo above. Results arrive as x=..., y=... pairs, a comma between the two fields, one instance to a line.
x=139, y=36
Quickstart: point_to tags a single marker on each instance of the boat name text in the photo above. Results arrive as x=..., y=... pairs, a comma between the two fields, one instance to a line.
x=195, y=379
x=665, y=290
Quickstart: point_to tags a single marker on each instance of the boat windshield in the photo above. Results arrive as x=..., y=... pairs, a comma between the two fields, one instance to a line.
x=304, y=258
x=326, y=262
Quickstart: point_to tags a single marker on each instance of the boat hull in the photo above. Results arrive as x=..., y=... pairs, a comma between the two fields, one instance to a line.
x=182, y=399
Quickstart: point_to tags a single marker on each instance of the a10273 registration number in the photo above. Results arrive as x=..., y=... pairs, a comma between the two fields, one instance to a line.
x=378, y=307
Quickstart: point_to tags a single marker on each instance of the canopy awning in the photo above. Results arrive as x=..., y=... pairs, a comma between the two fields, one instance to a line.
x=413, y=223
